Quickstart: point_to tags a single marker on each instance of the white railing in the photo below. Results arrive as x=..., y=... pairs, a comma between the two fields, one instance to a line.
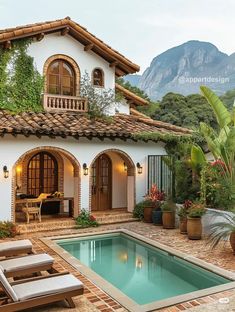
x=55, y=102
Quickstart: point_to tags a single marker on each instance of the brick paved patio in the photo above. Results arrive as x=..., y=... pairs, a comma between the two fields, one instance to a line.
x=94, y=299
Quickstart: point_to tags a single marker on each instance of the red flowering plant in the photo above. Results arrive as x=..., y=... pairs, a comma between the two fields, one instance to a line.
x=154, y=197
x=85, y=219
x=184, y=210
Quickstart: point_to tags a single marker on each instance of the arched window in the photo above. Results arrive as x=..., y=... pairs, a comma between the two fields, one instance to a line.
x=60, y=78
x=42, y=174
x=98, y=77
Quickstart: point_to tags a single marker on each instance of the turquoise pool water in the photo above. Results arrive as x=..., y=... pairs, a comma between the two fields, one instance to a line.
x=143, y=273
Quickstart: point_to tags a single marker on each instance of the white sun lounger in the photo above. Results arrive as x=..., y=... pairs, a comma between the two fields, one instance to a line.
x=17, y=247
x=26, y=265
x=40, y=290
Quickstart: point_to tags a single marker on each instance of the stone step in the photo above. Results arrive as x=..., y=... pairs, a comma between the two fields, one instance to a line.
x=57, y=224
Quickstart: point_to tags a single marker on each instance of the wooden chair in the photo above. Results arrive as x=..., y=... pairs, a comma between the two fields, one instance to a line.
x=37, y=291
x=33, y=207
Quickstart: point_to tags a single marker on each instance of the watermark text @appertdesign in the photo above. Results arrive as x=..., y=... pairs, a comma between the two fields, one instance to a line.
x=209, y=79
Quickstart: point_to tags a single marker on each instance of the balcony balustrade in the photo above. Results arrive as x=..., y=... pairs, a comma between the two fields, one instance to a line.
x=56, y=102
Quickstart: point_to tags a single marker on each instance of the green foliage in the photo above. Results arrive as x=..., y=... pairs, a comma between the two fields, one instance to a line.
x=100, y=100
x=185, y=187
x=21, y=84
x=148, y=110
x=216, y=192
x=221, y=230
x=7, y=229
x=157, y=136
x=185, y=111
x=138, y=211
x=85, y=219
x=168, y=205
x=221, y=144
x=228, y=99
x=197, y=210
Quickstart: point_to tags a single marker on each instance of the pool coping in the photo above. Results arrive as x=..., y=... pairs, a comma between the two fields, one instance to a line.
x=117, y=294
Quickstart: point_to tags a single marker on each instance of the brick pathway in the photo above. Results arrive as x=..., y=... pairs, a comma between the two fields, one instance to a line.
x=94, y=299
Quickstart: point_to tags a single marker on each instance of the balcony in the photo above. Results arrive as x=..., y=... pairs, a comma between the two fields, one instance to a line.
x=64, y=103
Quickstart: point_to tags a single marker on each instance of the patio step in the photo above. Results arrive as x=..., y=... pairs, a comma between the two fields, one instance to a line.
x=69, y=223
x=113, y=217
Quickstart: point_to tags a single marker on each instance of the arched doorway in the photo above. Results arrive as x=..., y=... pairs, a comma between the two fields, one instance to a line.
x=112, y=181
x=101, y=183
x=47, y=170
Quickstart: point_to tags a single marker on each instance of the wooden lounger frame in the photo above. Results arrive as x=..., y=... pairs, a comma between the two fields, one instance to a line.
x=36, y=269
x=39, y=301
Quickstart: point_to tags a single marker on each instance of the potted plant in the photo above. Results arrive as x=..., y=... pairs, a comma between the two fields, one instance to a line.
x=157, y=212
x=194, y=223
x=151, y=202
x=168, y=214
x=183, y=213
x=223, y=229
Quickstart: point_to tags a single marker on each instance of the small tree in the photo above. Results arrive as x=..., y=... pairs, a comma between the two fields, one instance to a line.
x=100, y=100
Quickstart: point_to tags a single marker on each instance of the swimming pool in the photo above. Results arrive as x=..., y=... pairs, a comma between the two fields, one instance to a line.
x=141, y=272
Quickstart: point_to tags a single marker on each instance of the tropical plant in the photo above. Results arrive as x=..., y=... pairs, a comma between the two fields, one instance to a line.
x=221, y=143
x=85, y=219
x=221, y=230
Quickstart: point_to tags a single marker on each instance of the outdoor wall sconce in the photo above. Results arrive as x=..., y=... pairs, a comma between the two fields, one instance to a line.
x=85, y=169
x=139, y=168
x=125, y=166
x=5, y=172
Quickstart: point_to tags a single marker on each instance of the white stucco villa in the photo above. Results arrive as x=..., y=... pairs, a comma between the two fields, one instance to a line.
x=96, y=163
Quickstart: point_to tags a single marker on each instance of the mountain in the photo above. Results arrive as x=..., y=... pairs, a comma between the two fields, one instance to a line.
x=184, y=68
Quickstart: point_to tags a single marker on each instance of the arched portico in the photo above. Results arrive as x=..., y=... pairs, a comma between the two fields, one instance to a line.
x=46, y=169
x=112, y=181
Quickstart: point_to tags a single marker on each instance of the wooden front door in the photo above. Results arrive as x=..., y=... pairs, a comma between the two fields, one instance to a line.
x=42, y=174
x=101, y=188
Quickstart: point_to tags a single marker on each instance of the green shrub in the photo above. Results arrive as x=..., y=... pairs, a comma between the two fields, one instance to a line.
x=85, y=219
x=138, y=211
x=185, y=187
x=168, y=205
x=197, y=210
x=7, y=229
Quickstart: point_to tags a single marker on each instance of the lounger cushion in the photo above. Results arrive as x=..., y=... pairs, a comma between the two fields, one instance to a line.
x=47, y=286
x=8, y=287
x=15, y=245
x=22, y=263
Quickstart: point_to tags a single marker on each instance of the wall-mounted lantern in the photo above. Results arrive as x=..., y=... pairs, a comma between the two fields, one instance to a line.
x=125, y=166
x=139, y=168
x=5, y=172
x=85, y=169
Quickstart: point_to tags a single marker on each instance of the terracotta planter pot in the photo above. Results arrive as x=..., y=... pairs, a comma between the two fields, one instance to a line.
x=148, y=210
x=183, y=225
x=232, y=241
x=168, y=219
x=194, y=228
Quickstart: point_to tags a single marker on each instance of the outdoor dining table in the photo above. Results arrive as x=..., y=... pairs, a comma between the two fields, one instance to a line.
x=46, y=200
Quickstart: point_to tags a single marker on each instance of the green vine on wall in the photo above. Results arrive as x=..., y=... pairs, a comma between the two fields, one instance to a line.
x=21, y=85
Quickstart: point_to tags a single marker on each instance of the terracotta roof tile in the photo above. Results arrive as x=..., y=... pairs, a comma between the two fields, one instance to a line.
x=124, y=65
x=78, y=125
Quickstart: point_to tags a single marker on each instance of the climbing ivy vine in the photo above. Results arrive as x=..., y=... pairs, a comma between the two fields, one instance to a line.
x=21, y=85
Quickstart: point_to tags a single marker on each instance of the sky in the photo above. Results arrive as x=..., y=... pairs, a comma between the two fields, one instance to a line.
x=139, y=29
